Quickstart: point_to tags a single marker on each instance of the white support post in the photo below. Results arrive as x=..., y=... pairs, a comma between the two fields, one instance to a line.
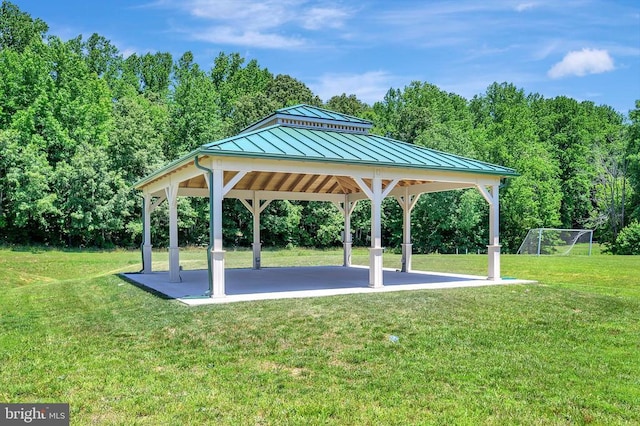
x=493, y=249
x=376, y=195
x=146, y=234
x=375, y=252
x=174, y=252
x=407, y=202
x=257, y=244
x=217, y=253
x=255, y=208
x=347, y=241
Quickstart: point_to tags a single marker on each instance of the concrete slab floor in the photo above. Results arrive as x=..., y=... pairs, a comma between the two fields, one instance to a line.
x=295, y=282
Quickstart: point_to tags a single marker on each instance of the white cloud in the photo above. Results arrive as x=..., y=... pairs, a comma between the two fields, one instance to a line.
x=369, y=87
x=243, y=13
x=321, y=17
x=274, y=24
x=544, y=49
x=582, y=62
x=521, y=7
x=240, y=37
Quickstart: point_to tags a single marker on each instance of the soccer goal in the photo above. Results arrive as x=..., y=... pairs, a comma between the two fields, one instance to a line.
x=557, y=241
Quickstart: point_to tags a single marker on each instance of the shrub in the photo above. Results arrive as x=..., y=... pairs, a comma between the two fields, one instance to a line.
x=628, y=241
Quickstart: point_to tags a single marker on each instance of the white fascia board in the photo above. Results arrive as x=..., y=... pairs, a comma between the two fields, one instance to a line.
x=173, y=177
x=350, y=170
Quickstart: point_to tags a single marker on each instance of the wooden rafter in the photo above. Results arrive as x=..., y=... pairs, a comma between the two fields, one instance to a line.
x=324, y=183
x=228, y=176
x=334, y=187
x=311, y=181
x=253, y=176
x=282, y=180
x=296, y=182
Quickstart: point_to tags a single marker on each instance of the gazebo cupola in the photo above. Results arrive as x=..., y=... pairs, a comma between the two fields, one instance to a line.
x=304, y=116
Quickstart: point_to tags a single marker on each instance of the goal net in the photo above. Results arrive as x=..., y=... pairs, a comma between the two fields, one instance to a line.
x=557, y=241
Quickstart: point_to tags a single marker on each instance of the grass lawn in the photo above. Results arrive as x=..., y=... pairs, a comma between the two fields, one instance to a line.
x=564, y=351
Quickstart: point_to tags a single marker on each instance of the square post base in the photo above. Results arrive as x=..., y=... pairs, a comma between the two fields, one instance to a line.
x=406, y=257
x=174, y=264
x=493, y=252
x=217, y=274
x=146, y=259
x=375, y=267
x=347, y=254
x=257, y=247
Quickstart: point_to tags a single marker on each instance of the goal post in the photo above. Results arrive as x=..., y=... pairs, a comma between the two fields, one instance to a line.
x=544, y=241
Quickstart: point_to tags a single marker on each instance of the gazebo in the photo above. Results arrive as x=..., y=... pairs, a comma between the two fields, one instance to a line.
x=309, y=153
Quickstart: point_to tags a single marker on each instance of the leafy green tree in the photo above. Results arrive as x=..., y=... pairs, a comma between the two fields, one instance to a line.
x=194, y=115
x=628, y=240
x=137, y=139
x=321, y=225
x=633, y=161
x=609, y=187
x=447, y=222
x=406, y=114
x=79, y=124
x=504, y=116
x=155, y=70
x=423, y=114
x=18, y=30
x=563, y=123
x=24, y=79
x=28, y=204
x=285, y=90
x=81, y=101
x=237, y=224
x=349, y=105
x=131, y=78
x=92, y=198
x=280, y=224
x=103, y=58
x=248, y=109
x=231, y=81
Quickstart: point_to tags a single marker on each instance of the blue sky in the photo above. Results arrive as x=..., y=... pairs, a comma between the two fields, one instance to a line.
x=584, y=49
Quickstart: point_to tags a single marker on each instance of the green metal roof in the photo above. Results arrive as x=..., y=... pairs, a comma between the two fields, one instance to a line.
x=316, y=134
x=300, y=143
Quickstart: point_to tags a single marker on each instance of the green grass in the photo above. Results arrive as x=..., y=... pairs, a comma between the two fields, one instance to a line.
x=564, y=351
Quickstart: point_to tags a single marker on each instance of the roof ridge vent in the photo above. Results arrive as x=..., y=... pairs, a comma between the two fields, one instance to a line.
x=310, y=117
x=323, y=125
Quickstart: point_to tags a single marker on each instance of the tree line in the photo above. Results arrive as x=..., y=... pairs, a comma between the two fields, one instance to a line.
x=80, y=123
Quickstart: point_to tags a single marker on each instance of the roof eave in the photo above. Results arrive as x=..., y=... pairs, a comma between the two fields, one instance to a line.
x=505, y=172
x=173, y=164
